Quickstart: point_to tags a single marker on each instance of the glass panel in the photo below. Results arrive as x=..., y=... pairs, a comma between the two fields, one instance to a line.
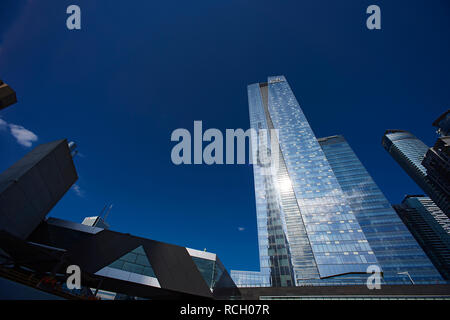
x=135, y=261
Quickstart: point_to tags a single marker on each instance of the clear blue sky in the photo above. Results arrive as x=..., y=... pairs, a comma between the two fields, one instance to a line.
x=140, y=69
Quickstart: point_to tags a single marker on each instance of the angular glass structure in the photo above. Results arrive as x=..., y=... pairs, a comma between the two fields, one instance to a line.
x=393, y=245
x=211, y=269
x=250, y=279
x=135, y=261
x=308, y=230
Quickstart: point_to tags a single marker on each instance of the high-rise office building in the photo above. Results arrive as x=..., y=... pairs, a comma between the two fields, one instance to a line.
x=430, y=226
x=395, y=248
x=409, y=152
x=437, y=164
x=308, y=232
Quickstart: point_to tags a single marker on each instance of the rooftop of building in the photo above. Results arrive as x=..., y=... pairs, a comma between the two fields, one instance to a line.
x=441, y=117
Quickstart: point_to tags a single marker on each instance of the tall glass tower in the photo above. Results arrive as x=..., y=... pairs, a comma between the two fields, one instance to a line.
x=308, y=232
x=409, y=152
x=430, y=226
x=394, y=246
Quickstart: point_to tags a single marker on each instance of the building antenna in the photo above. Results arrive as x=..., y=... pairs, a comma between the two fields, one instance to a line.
x=99, y=216
x=101, y=212
x=107, y=212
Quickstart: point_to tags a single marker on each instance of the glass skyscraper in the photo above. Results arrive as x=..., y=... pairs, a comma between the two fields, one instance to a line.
x=308, y=231
x=437, y=164
x=394, y=246
x=409, y=152
x=430, y=226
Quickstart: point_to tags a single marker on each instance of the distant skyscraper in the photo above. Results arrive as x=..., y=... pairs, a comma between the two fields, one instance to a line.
x=391, y=241
x=308, y=232
x=437, y=164
x=431, y=227
x=443, y=124
x=409, y=152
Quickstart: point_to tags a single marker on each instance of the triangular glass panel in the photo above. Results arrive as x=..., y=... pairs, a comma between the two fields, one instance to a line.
x=135, y=261
x=206, y=268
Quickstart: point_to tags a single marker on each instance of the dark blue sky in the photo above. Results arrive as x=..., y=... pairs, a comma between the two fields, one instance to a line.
x=140, y=69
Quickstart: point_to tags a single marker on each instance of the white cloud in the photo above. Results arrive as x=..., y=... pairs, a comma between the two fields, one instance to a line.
x=23, y=136
x=79, y=192
x=241, y=228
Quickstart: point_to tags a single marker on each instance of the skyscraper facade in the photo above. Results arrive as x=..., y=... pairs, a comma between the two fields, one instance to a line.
x=437, y=164
x=308, y=232
x=409, y=152
x=395, y=248
x=430, y=226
